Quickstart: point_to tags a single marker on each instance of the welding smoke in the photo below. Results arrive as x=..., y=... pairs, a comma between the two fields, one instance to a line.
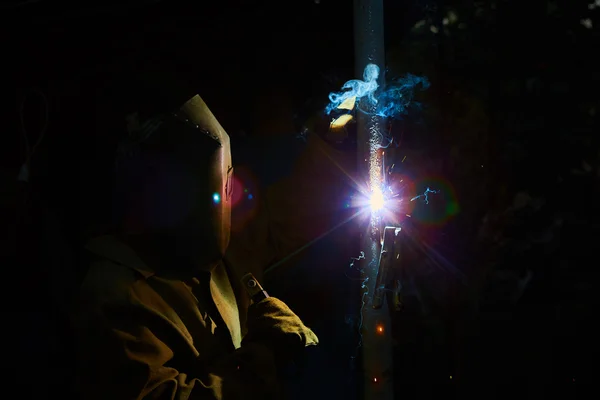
x=392, y=101
x=357, y=89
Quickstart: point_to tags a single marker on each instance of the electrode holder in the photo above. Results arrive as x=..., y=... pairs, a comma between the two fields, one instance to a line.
x=253, y=288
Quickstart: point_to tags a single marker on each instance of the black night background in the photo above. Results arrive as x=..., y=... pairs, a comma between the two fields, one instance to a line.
x=503, y=262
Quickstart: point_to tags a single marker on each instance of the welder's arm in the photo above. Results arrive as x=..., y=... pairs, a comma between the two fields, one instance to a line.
x=126, y=356
x=125, y=359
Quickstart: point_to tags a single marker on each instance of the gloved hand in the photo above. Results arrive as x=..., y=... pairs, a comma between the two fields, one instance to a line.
x=272, y=323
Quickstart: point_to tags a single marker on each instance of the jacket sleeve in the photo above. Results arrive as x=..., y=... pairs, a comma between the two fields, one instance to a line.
x=121, y=358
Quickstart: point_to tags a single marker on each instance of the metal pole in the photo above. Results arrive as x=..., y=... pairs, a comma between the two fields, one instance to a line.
x=376, y=325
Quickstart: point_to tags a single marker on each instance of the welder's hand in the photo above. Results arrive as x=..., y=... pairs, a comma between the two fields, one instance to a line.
x=271, y=322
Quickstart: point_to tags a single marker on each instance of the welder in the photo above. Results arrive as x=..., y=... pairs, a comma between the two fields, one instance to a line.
x=162, y=315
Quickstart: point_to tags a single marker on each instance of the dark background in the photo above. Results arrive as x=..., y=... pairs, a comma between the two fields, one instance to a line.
x=510, y=122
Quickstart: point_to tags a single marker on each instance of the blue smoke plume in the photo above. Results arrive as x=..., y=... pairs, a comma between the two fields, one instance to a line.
x=357, y=88
x=391, y=102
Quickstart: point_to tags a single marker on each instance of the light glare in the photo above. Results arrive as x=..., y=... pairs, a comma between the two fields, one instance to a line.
x=377, y=200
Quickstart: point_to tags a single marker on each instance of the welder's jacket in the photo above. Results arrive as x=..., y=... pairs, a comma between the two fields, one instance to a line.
x=146, y=336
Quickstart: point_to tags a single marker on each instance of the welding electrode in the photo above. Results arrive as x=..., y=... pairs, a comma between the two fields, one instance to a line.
x=254, y=289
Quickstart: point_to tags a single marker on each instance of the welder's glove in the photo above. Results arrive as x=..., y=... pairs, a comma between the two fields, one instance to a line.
x=272, y=323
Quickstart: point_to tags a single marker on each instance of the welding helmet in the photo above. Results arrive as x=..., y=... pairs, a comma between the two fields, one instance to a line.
x=178, y=174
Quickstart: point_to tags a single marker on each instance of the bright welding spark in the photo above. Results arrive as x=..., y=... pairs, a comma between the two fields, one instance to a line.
x=425, y=195
x=377, y=200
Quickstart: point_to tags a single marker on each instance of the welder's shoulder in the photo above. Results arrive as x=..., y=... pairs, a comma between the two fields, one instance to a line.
x=108, y=282
x=114, y=272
